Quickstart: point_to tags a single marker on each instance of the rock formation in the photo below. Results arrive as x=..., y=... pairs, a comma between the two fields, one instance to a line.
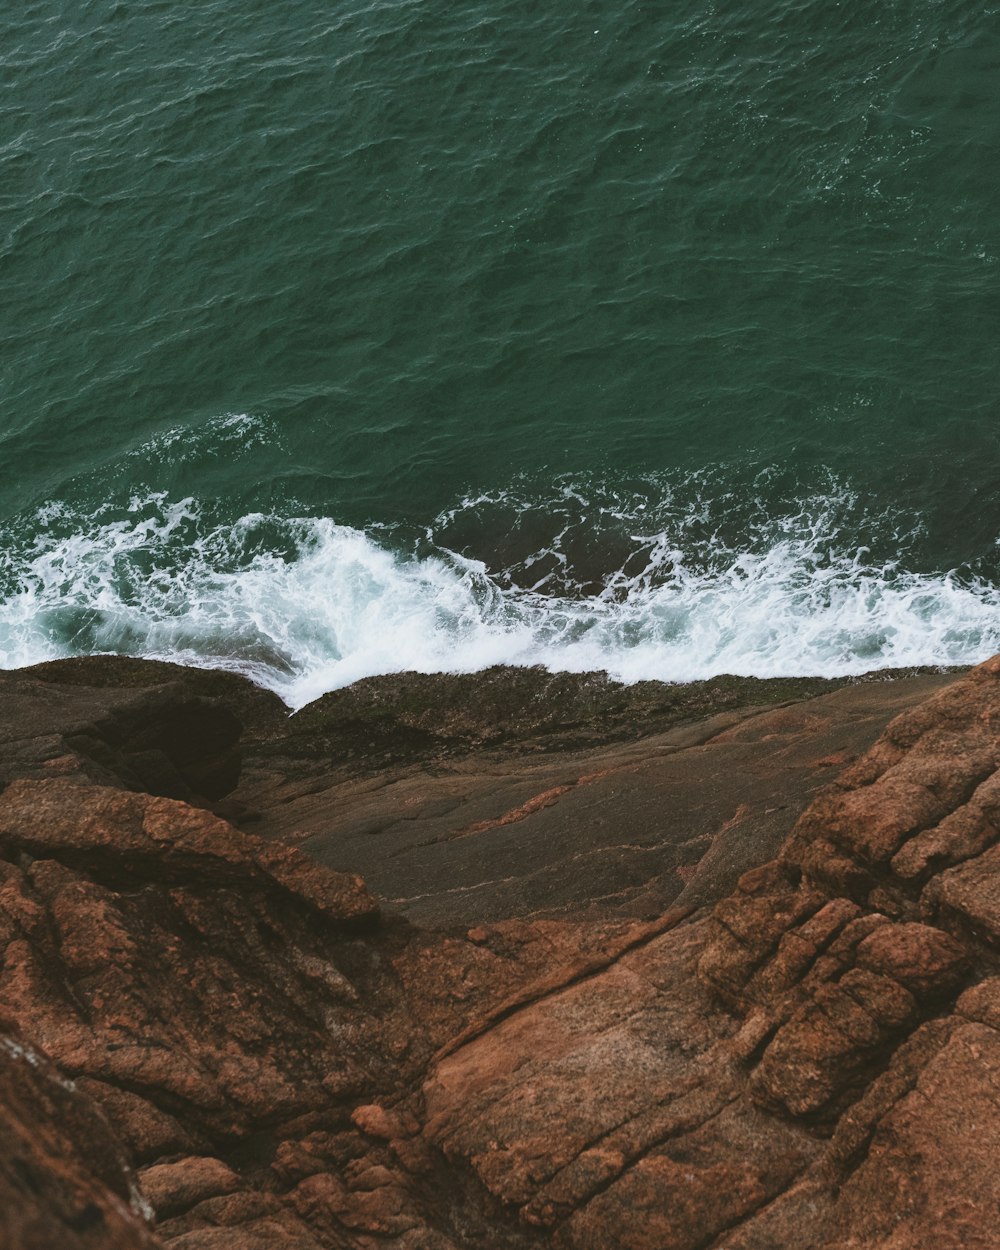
x=632, y=968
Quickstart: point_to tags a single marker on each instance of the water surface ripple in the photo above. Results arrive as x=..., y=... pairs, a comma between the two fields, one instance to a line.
x=595, y=335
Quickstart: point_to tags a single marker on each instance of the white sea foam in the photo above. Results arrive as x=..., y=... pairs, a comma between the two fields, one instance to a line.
x=233, y=434
x=306, y=605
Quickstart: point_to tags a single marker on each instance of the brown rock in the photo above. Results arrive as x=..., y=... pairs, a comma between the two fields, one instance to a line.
x=174, y=1187
x=684, y=1194
x=923, y=959
x=118, y=834
x=928, y=1177
x=536, y=1076
x=873, y=823
x=146, y=1131
x=284, y=1230
x=827, y=1044
x=377, y=1121
x=982, y=1002
x=962, y=835
x=64, y=1180
x=967, y=898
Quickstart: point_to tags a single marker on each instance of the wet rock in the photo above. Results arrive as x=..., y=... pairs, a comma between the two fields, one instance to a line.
x=149, y=727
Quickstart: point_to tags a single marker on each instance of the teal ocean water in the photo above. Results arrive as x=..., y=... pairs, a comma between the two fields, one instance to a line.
x=338, y=340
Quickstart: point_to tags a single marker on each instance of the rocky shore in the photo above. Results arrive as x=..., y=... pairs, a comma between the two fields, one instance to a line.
x=501, y=961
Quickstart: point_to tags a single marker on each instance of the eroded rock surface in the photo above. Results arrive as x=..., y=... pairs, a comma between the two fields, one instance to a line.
x=618, y=800
x=264, y=1057
x=814, y=1065
x=65, y=1179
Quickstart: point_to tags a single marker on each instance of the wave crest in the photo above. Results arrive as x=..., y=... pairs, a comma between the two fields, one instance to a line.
x=669, y=586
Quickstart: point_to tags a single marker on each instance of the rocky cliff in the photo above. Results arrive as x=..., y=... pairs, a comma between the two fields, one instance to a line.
x=513, y=960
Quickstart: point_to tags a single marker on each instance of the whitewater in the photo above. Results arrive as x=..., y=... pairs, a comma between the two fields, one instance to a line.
x=303, y=604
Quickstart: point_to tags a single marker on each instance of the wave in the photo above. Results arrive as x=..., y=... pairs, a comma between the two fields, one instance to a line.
x=304, y=605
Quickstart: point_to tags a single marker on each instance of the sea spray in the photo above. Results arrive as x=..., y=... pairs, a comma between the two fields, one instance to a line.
x=303, y=604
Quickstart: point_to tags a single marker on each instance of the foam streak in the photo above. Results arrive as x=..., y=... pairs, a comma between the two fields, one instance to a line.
x=306, y=605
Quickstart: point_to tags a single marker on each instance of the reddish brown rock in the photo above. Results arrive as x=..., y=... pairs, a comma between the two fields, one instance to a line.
x=388, y=1125
x=829, y=995
x=122, y=835
x=923, y=959
x=928, y=1178
x=684, y=1194
x=174, y=1187
x=962, y=834
x=828, y=1043
x=815, y=1064
x=968, y=897
x=189, y=976
x=982, y=1002
x=64, y=1177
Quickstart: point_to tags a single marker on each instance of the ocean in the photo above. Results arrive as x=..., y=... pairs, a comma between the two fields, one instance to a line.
x=347, y=339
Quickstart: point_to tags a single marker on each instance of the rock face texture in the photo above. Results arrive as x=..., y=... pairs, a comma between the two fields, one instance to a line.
x=64, y=1175
x=548, y=798
x=215, y=1036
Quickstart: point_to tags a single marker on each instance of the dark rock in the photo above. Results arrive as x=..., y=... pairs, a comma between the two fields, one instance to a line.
x=149, y=727
x=657, y=795
x=174, y=1187
x=64, y=1176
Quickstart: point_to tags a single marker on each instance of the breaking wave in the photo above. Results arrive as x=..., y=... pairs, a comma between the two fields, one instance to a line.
x=646, y=582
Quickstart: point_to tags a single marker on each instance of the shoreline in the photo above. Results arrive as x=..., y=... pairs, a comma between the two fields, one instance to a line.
x=116, y=668
x=505, y=776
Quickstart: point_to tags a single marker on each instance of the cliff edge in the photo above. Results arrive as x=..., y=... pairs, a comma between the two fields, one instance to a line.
x=514, y=960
